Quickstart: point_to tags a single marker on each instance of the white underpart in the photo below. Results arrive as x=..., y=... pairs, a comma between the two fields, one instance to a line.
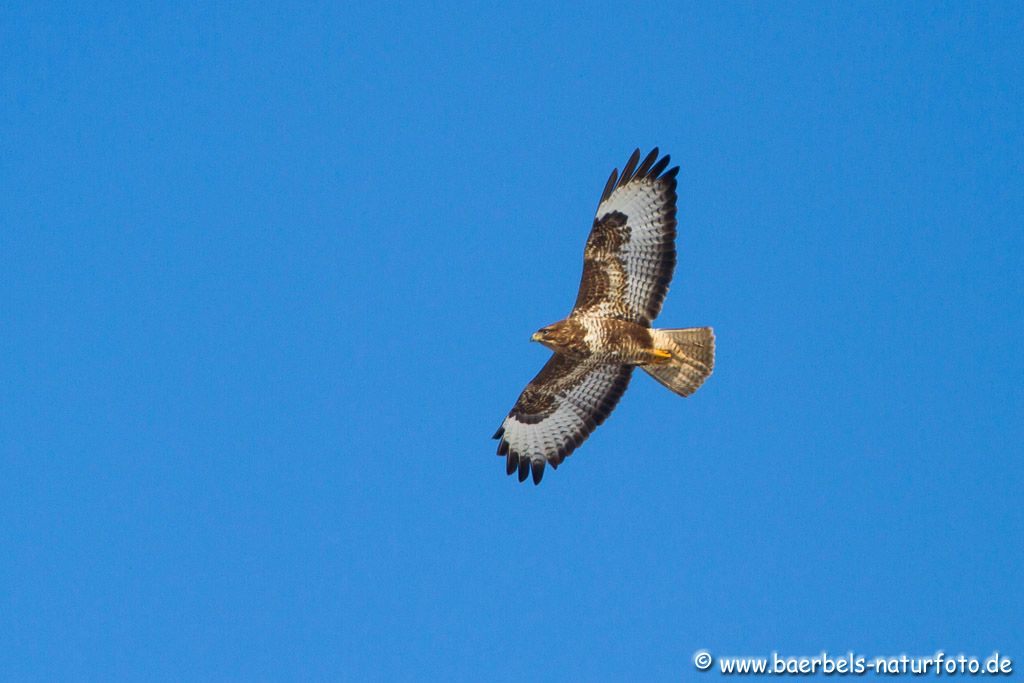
x=594, y=332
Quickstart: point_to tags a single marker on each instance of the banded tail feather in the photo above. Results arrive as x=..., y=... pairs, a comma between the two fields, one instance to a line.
x=693, y=358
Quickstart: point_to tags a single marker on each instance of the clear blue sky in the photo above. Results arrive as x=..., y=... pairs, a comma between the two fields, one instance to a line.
x=268, y=281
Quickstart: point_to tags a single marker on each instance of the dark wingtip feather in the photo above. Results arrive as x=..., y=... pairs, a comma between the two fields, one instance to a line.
x=610, y=185
x=497, y=434
x=524, y=469
x=538, y=471
x=627, y=170
x=642, y=171
x=650, y=167
x=660, y=166
x=511, y=462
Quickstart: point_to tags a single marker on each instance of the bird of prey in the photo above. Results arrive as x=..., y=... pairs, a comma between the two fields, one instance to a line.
x=627, y=267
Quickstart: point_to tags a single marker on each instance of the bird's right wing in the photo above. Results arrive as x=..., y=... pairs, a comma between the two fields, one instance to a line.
x=557, y=411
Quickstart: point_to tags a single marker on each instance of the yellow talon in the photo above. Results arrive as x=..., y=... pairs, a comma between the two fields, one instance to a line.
x=660, y=355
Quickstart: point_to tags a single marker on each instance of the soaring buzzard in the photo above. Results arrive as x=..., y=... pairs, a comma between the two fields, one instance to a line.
x=627, y=267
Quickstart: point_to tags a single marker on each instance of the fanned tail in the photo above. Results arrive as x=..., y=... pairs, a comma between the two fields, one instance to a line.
x=693, y=358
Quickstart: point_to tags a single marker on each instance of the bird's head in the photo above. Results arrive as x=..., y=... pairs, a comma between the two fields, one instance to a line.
x=556, y=337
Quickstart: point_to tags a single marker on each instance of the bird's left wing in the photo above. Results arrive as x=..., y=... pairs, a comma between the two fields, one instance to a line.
x=631, y=250
x=557, y=411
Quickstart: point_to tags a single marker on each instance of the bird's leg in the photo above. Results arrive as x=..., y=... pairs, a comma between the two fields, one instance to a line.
x=659, y=355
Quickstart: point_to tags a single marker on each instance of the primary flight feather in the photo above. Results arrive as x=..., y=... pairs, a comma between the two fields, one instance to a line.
x=627, y=268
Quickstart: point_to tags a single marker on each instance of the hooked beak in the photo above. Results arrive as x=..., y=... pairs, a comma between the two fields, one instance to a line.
x=536, y=337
